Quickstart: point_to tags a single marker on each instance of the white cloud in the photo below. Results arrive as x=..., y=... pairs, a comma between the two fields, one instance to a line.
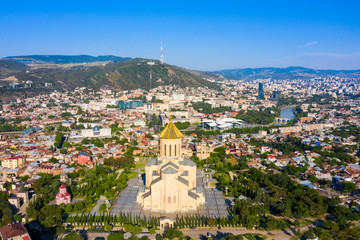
x=309, y=44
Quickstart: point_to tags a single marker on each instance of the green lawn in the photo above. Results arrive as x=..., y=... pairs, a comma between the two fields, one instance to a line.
x=132, y=175
x=140, y=165
x=87, y=209
x=232, y=161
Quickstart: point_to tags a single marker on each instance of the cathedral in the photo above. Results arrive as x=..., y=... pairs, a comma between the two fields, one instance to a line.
x=170, y=180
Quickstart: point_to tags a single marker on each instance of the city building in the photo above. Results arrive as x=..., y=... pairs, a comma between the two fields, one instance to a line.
x=202, y=151
x=13, y=162
x=129, y=104
x=83, y=158
x=222, y=123
x=276, y=95
x=96, y=132
x=15, y=201
x=14, y=231
x=170, y=180
x=261, y=95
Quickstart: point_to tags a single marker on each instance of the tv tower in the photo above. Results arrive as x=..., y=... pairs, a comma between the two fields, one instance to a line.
x=161, y=56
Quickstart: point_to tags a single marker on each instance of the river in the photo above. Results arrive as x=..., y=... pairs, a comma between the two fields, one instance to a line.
x=287, y=113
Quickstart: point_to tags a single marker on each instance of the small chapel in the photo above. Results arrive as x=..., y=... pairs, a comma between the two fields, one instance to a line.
x=63, y=196
x=170, y=180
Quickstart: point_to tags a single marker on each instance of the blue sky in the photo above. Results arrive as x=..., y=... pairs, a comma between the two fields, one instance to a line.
x=202, y=35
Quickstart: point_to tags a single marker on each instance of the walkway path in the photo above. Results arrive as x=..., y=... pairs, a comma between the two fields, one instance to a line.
x=95, y=210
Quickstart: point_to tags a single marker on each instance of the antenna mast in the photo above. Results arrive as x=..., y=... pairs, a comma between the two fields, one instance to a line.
x=150, y=79
x=161, y=56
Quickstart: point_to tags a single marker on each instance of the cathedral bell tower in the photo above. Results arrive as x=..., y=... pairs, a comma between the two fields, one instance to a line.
x=170, y=142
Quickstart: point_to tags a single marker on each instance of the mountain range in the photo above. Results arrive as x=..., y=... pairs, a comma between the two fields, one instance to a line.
x=283, y=73
x=119, y=75
x=68, y=72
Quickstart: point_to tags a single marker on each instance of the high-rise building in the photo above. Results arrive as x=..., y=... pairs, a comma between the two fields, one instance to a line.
x=276, y=95
x=129, y=104
x=261, y=95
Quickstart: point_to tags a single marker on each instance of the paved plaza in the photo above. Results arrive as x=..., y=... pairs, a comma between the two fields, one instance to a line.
x=215, y=205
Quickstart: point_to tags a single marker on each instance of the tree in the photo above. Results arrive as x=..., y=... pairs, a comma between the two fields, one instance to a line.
x=173, y=233
x=63, y=151
x=7, y=185
x=103, y=208
x=88, y=201
x=73, y=236
x=59, y=140
x=69, y=208
x=159, y=237
x=211, y=222
x=53, y=160
x=17, y=218
x=313, y=179
x=348, y=186
x=133, y=229
x=309, y=234
x=5, y=212
x=79, y=206
x=116, y=236
x=66, y=144
x=80, y=111
x=296, y=224
x=4, y=196
x=65, y=114
x=108, y=227
x=99, y=143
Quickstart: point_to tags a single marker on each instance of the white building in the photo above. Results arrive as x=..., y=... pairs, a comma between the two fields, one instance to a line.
x=222, y=123
x=96, y=132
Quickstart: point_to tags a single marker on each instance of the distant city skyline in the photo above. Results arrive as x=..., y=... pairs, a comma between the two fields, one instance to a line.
x=200, y=35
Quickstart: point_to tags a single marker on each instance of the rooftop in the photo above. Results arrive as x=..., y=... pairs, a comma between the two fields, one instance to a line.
x=170, y=132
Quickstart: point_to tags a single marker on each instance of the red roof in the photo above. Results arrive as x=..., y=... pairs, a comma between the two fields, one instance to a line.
x=12, y=230
x=62, y=186
x=16, y=157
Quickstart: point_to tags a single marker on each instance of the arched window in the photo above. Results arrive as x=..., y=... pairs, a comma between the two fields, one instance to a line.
x=170, y=150
x=169, y=199
x=164, y=149
x=175, y=149
x=174, y=199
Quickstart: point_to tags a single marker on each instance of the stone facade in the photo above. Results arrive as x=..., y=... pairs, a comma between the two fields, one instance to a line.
x=170, y=180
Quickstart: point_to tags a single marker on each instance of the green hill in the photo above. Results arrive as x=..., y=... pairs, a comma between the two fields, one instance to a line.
x=10, y=67
x=126, y=75
x=65, y=59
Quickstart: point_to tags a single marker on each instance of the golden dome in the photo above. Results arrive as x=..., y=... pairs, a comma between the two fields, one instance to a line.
x=170, y=132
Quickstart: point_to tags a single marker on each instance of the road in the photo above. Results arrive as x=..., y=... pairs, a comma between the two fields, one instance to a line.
x=198, y=233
